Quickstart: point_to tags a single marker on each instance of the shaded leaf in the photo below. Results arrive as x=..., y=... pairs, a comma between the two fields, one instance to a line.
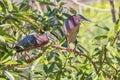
x=3, y=7
x=103, y=27
x=45, y=68
x=100, y=37
x=73, y=11
x=51, y=67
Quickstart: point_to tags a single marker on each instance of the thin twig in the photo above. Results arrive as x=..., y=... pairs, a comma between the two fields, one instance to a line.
x=112, y=11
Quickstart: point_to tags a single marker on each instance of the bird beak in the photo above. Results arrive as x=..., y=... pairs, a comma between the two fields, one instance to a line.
x=84, y=19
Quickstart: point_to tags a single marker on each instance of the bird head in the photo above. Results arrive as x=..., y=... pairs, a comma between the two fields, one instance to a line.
x=82, y=18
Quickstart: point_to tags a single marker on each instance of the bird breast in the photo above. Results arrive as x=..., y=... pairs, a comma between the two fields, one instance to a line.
x=71, y=29
x=72, y=34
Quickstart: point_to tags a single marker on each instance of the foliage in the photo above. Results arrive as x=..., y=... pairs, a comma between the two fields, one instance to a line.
x=99, y=58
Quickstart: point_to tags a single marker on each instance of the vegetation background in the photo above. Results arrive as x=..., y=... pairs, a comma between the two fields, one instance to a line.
x=98, y=46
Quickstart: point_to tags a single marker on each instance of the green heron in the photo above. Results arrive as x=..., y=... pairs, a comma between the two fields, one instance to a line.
x=32, y=42
x=71, y=28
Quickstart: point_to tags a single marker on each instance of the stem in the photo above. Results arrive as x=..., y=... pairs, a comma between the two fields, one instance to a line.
x=112, y=11
x=115, y=38
x=107, y=61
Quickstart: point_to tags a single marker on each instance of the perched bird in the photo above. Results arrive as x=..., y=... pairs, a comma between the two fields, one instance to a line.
x=32, y=42
x=71, y=28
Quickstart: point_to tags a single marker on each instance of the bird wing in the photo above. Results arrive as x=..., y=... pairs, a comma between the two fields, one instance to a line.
x=41, y=40
x=70, y=26
x=28, y=42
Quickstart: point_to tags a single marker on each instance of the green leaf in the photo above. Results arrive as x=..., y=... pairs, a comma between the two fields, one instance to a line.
x=48, y=8
x=2, y=39
x=103, y=27
x=7, y=37
x=58, y=76
x=9, y=5
x=51, y=67
x=2, y=79
x=9, y=75
x=5, y=25
x=45, y=68
x=3, y=7
x=38, y=73
x=5, y=56
x=13, y=62
x=73, y=11
x=53, y=12
x=63, y=39
x=30, y=20
x=117, y=26
x=24, y=7
x=58, y=62
x=15, y=7
x=100, y=37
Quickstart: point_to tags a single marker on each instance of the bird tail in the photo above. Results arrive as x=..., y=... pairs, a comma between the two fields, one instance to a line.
x=18, y=48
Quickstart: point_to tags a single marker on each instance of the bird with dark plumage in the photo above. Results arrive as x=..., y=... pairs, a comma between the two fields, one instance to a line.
x=33, y=41
x=71, y=28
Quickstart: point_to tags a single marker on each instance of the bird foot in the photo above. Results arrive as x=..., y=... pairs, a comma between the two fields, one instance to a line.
x=74, y=50
x=68, y=49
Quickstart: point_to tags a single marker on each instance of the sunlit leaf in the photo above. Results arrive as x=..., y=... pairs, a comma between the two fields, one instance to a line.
x=2, y=78
x=9, y=5
x=9, y=75
x=2, y=39
x=13, y=62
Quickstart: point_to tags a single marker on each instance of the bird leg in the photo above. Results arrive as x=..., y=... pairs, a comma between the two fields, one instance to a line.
x=75, y=43
x=68, y=46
